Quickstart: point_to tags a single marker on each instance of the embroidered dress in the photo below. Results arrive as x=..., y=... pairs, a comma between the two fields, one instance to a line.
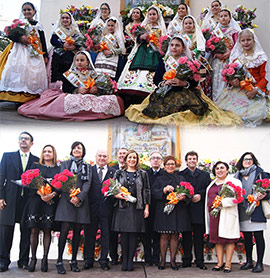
x=22, y=70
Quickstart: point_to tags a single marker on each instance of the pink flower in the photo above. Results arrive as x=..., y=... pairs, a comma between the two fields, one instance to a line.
x=194, y=69
x=196, y=63
x=182, y=60
x=216, y=40
x=212, y=47
x=230, y=71
x=105, y=189
x=197, y=77
x=234, y=65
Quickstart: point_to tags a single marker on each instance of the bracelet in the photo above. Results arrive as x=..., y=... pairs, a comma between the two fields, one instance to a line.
x=186, y=87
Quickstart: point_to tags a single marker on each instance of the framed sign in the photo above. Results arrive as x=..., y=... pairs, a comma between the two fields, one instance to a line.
x=144, y=139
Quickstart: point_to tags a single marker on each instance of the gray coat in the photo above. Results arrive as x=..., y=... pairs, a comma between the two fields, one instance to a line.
x=66, y=211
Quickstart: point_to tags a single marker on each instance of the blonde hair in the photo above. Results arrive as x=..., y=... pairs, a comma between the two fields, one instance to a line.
x=41, y=160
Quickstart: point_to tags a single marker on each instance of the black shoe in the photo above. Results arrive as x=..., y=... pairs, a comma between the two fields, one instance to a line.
x=60, y=268
x=161, y=266
x=247, y=265
x=202, y=266
x=184, y=265
x=174, y=266
x=3, y=267
x=74, y=266
x=218, y=268
x=105, y=266
x=227, y=269
x=88, y=265
x=32, y=265
x=114, y=262
x=44, y=264
x=22, y=265
x=258, y=268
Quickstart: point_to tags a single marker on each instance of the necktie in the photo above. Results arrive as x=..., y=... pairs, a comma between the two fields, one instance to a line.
x=155, y=172
x=24, y=161
x=100, y=173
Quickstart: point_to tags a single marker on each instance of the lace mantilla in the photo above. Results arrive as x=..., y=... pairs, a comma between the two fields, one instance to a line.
x=253, y=61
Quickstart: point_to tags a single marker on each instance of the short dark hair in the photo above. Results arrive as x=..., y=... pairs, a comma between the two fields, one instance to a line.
x=226, y=10
x=25, y=132
x=239, y=164
x=191, y=153
x=75, y=144
x=167, y=158
x=183, y=4
x=216, y=164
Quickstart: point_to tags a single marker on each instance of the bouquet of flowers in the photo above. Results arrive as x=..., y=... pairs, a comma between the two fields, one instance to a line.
x=261, y=186
x=203, y=13
x=232, y=71
x=105, y=85
x=183, y=188
x=93, y=37
x=228, y=190
x=66, y=182
x=112, y=187
x=215, y=45
x=164, y=44
x=145, y=161
x=207, y=33
x=137, y=30
x=32, y=179
x=244, y=17
x=232, y=165
x=14, y=31
x=89, y=83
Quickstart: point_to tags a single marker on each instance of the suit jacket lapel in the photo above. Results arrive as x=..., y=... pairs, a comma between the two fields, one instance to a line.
x=17, y=161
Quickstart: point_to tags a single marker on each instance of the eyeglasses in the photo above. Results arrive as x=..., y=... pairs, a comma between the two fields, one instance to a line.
x=155, y=158
x=24, y=138
x=170, y=164
x=248, y=159
x=104, y=9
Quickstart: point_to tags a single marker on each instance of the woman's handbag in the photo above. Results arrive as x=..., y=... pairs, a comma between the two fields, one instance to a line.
x=266, y=208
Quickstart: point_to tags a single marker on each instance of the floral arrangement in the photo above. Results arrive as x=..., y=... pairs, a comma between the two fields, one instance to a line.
x=15, y=30
x=232, y=71
x=112, y=187
x=83, y=16
x=244, y=17
x=232, y=165
x=261, y=186
x=137, y=30
x=207, y=33
x=105, y=85
x=164, y=44
x=228, y=190
x=4, y=41
x=103, y=46
x=89, y=83
x=93, y=37
x=145, y=161
x=215, y=45
x=203, y=13
x=32, y=179
x=247, y=84
x=69, y=241
x=239, y=247
x=183, y=188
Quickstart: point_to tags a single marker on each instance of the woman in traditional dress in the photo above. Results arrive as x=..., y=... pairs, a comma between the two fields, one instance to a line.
x=175, y=26
x=170, y=225
x=178, y=101
x=128, y=218
x=107, y=60
x=81, y=100
x=73, y=211
x=22, y=71
x=254, y=223
x=66, y=39
x=249, y=104
x=136, y=80
x=40, y=208
x=102, y=15
x=223, y=230
x=228, y=29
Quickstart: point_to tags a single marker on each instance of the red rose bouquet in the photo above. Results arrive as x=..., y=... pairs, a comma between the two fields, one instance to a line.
x=112, y=187
x=215, y=45
x=207, y=33
x=228, y=190
x=261, y=186
x=183, y=188
x=32, y=179
x=66, y=182
x=232, y=71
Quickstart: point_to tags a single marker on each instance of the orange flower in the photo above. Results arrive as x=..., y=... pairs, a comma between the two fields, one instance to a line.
x=97, y=251
x=35, y=42
x=103, y=46
x=153, y=39
x=44, y=190
x=247, y=84
x=69, y=249
x=217, y=201
x=169, y=75
x=89, y=83
x=251, y=199
x=172, y=198
x=74, y=192
x=69, y=40
x=124, y=190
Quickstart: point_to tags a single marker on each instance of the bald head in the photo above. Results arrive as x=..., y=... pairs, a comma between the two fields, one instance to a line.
x=101, y=158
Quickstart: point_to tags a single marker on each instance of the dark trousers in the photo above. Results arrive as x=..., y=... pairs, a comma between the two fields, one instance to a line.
x=150, y=241
x=90, y=232
x=6, y=238
x=198, y=232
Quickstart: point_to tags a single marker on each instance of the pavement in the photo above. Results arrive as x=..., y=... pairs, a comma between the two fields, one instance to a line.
x=140, y=271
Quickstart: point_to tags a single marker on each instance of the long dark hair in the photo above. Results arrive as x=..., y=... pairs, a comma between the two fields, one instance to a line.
x=239, y=164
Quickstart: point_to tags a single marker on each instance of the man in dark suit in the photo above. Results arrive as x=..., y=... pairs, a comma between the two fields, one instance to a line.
x=120, y=157
x=101, y=211
x=199, y=180
x=150, y=239
x=13, y=199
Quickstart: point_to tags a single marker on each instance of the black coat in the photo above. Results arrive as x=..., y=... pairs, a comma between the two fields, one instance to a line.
x=98, y=205
x=199, y=180
x=11, y=169
x=178, y=220
x=66, y=211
